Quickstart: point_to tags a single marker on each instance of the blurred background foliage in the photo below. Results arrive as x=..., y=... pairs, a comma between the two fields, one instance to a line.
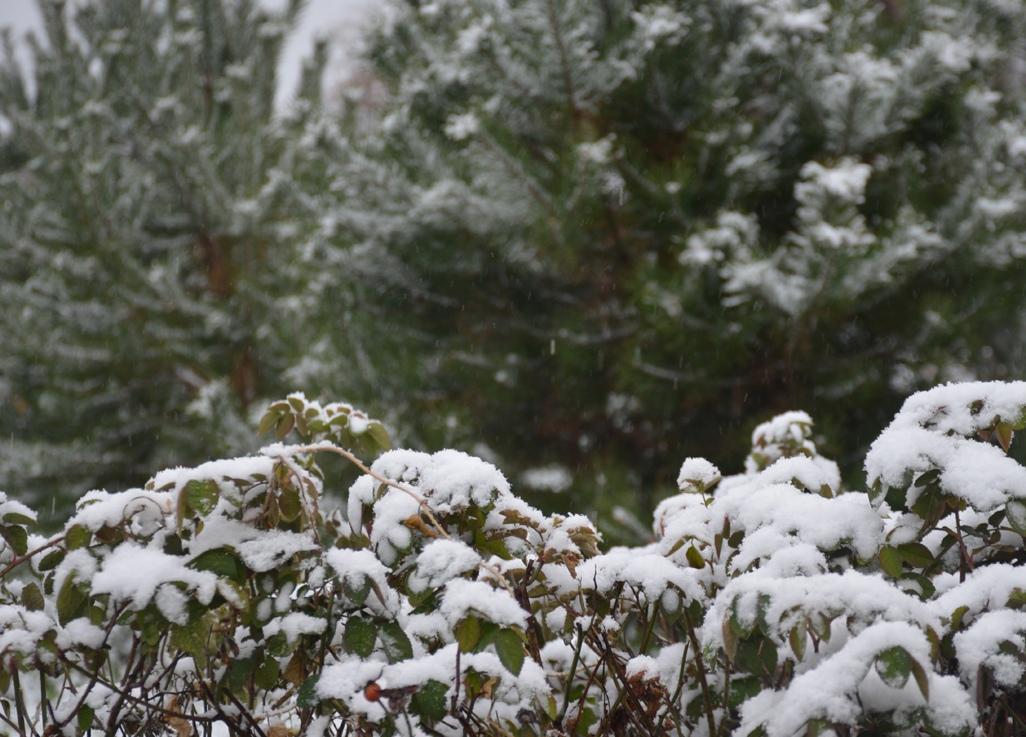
x=582, y=239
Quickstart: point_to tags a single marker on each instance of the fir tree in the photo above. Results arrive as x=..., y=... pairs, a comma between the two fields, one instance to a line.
x=603, y=234
x=146, y=233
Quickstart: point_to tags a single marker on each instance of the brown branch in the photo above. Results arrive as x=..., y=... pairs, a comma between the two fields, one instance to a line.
x=29, y=555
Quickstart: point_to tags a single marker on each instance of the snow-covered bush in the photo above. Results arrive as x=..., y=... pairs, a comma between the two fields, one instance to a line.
x=229, y=598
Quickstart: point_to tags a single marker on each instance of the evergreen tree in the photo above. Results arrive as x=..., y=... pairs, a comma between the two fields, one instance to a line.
x=605, y=234
x=146, y=235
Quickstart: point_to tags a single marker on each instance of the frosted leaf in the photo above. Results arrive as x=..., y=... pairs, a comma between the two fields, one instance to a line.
x=294, y=626
x=273, y=548
x=357, y=569
x=817, y=474
x=146, y=510
x=642, y=667
x=133, y=573
x=670, y=520
x=463, y=598
x=832, y=690
x=863, y=599
x=469, y=39
x=785, y=435
x=826, y=523
x=981, y=645
x=698, y=475
x=261, y=550
x=985, y=587
x=441, y=561
x=649, y=573
x=935, y=429
x=13, y=506
x=173, y=604
x=22, y=629
x=80, y=632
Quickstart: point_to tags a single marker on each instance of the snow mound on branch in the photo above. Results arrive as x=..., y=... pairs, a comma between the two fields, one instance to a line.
x=935, y=429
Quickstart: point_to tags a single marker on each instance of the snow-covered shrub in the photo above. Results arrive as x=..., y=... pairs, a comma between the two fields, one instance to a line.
x=229, y=598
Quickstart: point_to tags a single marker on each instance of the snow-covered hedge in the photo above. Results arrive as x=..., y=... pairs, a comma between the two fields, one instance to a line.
x=228, y=599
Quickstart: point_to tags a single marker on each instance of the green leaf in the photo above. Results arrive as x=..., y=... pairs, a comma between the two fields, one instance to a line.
x=278, y=645
x=359, y=637
x=1015, y=513
x=742, y=689
x=52, y=559
x=890, y=561
x=429, y=701
x=488, y=632
x=17, y=536
x=924, y=585
x=397, y=643
x=798, y=639
x=266, y=674
x=72, y=602
x=220, y=561
x=510, y=650
x=290, y=505
x=202, y=496
x=269, y=420
x=548, y=705
x=306, y=695
x=919, y=673
x=695, y=559
x=284, y=426
x=77, y=537
x=876, y=493
x=758, y=655
x=16, y=518
x=468, y=633
x=84, y=718
x=357, y=595
x=239, y=671
x=894, y=666
x=730, y=639
x=32, y=598
x=1003, y=433
x=191, y=638
x=379, y=435
x=916, y=555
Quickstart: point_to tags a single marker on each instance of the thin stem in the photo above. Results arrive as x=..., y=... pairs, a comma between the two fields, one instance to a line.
x=570, y=676
x=700, y=667
x=19, y=702
x=95, y=676
x=963, y=553
x=454, y=704
x=649, y=629
x=143, y=702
